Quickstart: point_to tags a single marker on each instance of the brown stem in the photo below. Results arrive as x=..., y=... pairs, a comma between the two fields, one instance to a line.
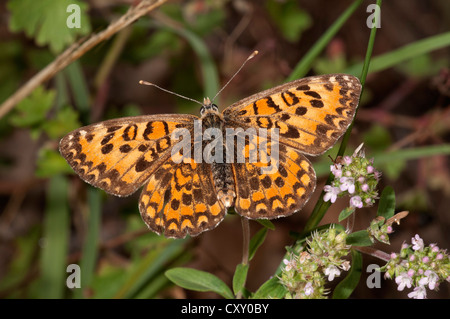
x=373, y=252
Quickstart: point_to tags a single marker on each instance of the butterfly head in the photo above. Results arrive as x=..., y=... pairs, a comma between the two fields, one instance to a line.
x=208, y=106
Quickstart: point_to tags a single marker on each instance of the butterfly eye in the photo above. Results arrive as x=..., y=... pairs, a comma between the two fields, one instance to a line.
x=202, y=110
x=214, y=107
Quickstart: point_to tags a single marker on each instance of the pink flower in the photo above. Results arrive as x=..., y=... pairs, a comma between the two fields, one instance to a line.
x=332, y=271
x=347, y=160
x=331, y=193
x=356, y=202
x=336, y=169
x=418, y=293
x=430, y=279
x=403, y=280
x=417, y=242
x=347, y=184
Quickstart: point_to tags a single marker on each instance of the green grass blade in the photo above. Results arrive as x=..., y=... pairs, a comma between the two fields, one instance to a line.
x=390, y=59
x=79, y=89
x=149, y=267
x=56, y=237
x=365, y=69
x=151, y=290
x=302, y=68
x=90, y=247
x=208, y=67
x=412, y=153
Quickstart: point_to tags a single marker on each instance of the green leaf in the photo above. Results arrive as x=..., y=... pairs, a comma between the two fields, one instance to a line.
x=23, y=259
x=359, y=238
x=48, y=22
x=393, y=169
x=386, y=205
x=327, y=64
x=272, y=289
x=33, y=109
x=204, y=24
x=256, y=241
x=50, y=163
x=239, y=278
x=345, y=288
x=153, y=45
x=66, y=120
x=198, y=280
x=346, y=213
x=266, y=223
x=423, y=66
x=377, y=138
x=290, y=19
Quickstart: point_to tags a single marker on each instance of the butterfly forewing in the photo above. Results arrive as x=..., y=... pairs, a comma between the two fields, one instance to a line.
x=310, y=113
x=119, y=155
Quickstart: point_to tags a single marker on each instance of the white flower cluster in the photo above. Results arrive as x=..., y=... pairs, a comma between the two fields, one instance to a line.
x=418, y=266
x=304, y=275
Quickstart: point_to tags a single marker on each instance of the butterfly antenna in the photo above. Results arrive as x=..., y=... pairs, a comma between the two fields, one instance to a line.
x=251, y=56
x=165, y=90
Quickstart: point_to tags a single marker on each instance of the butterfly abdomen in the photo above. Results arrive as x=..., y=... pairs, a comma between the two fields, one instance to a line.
x=214, y=151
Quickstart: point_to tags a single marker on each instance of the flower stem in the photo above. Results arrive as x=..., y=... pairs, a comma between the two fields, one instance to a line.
x=245, y=246
x=246, y=240
x=373, y=252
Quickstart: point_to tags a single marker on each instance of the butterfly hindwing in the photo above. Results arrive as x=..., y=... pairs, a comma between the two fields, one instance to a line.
x=279, y=187
x=180, y=199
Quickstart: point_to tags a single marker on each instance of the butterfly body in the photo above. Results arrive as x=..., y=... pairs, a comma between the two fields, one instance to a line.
x=250, y=156
x=222, y=172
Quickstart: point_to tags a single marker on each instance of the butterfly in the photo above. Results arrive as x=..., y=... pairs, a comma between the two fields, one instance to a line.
x=183, y=195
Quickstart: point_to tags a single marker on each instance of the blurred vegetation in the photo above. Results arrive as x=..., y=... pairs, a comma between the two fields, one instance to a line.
x=50, y=219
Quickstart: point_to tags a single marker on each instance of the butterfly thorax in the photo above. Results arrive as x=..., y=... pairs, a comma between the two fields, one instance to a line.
x=221, y=170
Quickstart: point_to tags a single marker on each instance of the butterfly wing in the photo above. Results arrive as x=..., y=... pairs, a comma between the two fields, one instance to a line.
x=181, y=199
x=310, y=113
x=119, y=155
x=281, y=191
x=272, y=180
